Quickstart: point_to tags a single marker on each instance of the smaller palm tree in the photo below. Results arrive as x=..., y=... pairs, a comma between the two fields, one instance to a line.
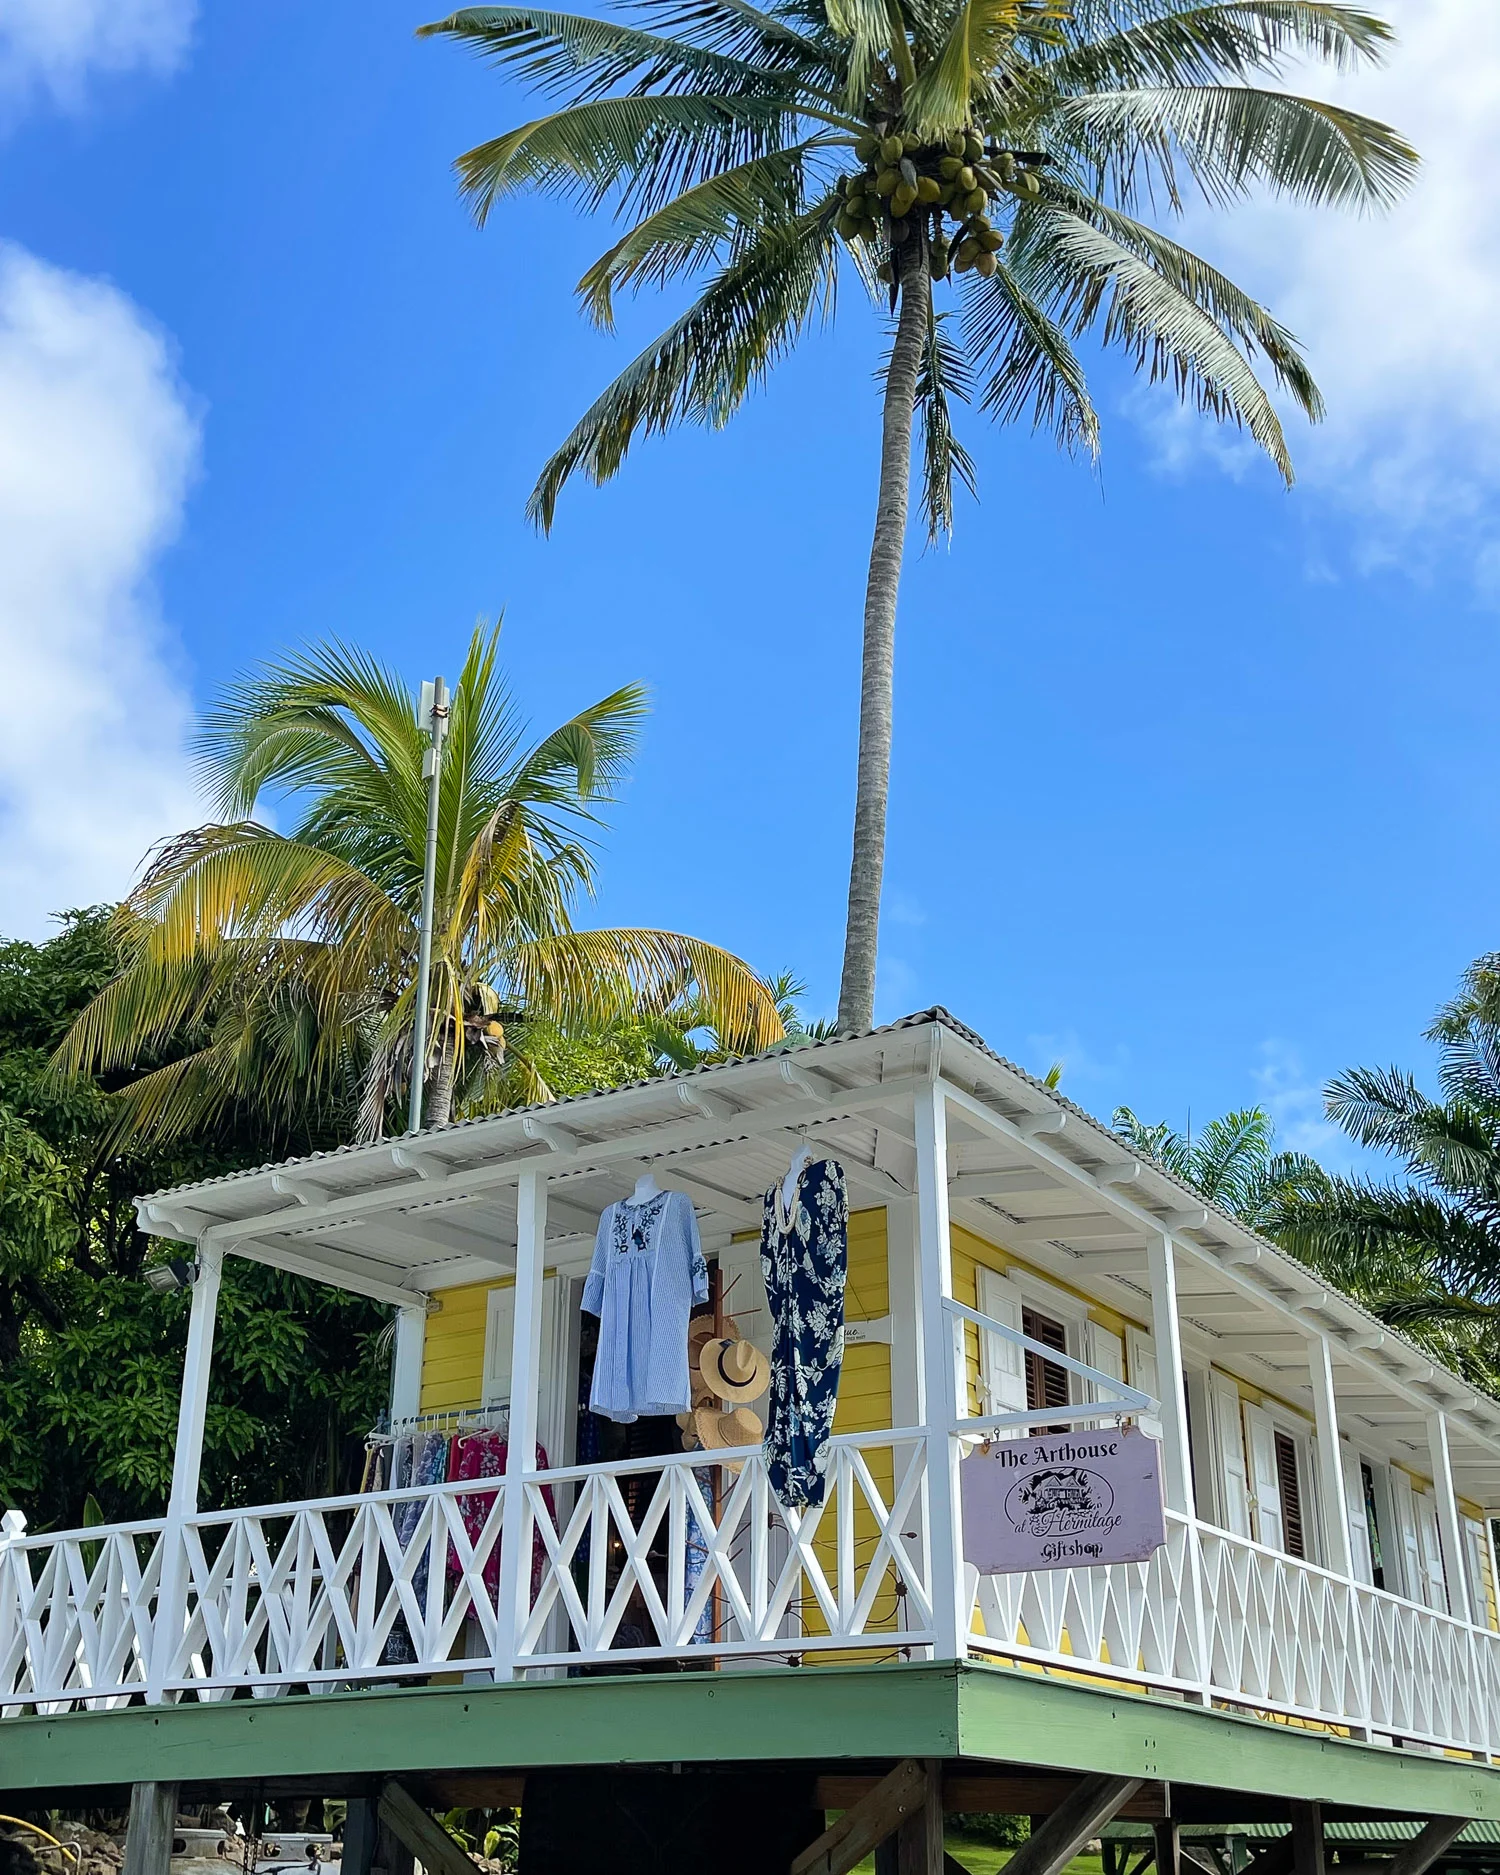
x=1422, y=1250
x=278, y=970
x=1234, y=1162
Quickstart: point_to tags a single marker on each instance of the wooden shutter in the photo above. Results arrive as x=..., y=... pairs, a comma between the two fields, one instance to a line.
x=1105, y=1351
x=1294, y=1519
x=1476, y=1567
x=1265, y=1480
x=1002, y=1369
x=1434, y=1580
x=1229, y=1444
x=1141, y=1354
x=1356, y=1515
x=499, y=1330
x=1403, y=1501
x=1046, y=1381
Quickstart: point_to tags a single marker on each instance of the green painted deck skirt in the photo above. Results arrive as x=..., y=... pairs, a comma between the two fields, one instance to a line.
x=821, y=1715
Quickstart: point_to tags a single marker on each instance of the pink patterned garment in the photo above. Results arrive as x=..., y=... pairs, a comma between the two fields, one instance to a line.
x=483, y=1455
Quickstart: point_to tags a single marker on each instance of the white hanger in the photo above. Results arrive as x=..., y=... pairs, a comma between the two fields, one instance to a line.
x=646, y=1188
x=793, y=1172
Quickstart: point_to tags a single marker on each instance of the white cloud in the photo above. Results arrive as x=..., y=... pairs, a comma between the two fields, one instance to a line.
x=1295, y=1103
x=1082, y=1068
x=1398, y=312
x=53, y=45
x=96, y=448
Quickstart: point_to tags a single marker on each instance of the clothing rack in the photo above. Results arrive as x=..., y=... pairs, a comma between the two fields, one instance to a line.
x=451, y=1419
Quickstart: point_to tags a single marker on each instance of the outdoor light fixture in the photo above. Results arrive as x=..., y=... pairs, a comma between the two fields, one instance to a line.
x=175, y=1273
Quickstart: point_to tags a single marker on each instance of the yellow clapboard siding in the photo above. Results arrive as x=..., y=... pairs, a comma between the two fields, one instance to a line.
x=453, y=1349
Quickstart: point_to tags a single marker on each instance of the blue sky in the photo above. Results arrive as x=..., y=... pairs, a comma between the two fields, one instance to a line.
x=1194, y=781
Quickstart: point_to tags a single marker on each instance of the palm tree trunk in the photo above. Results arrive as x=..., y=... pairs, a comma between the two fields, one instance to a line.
x=438, y=1110
x=862, y=930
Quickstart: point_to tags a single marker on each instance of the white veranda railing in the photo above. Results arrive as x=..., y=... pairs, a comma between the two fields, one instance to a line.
x=677, y=1558
x=1230, y=1622
x=650, y=1559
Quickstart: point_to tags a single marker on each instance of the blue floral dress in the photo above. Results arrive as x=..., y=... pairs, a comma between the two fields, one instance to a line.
x=804, y=1257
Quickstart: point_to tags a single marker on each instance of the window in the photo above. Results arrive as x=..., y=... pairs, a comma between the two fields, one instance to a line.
x=1372, y=1524
x=1046, y=1381
x=1289, y=1489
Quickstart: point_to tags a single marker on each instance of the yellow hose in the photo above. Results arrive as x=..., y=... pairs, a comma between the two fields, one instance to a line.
x=21, y=1823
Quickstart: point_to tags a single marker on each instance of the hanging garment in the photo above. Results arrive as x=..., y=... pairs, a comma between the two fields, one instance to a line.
x=695, y=1555
x=483, y=1455
x=647, y=1272
x=804, y=1257
x=426, y=1455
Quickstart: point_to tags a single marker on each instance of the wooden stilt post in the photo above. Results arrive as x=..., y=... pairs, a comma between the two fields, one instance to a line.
x=1168, y=1847
x=919, y=1842
x=1417, y=1856
x=1307, y=1839
x=361, y=1826
x=148, y=1834
x=1085, y=1810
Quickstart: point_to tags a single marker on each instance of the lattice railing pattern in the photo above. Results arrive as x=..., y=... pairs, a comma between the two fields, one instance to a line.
x=670, y=1557
x=1136, y=1620
x=77, y=1617
x=770, y=1580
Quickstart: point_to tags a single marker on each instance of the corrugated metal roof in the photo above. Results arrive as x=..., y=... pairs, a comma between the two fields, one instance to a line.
x=1382, y=1830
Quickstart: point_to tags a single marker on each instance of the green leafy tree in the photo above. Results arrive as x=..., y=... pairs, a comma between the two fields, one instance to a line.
x=288, y=961
x=1018, y=147
x=90, y=1358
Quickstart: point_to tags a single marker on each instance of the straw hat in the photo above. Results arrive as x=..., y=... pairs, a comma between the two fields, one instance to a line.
x=701, y=1329
x=721, y=1431
x=734, y=1369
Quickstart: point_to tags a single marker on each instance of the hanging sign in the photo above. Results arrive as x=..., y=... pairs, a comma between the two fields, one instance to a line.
x=1063, y=1501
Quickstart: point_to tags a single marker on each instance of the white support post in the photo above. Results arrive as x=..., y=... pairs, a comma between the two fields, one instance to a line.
x=940, y=1376
x=1176, y=1446
x=406, y=1367
x=1337, y=1554
x=1449, y=1523
x=520, y=1457
x=1166, y=1336
x=187, y=1465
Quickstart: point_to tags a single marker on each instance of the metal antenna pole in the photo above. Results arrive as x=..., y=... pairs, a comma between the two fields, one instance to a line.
x=432, y=714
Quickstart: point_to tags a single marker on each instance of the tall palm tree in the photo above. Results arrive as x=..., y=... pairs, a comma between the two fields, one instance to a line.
x=1014, y=143
x=288, y=960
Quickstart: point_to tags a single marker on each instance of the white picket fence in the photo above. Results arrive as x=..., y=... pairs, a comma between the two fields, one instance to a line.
x=671, y=1558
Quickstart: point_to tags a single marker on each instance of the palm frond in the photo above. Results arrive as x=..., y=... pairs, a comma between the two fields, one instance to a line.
x=644, y=150
x=1194, y=44
x=701, y=368
x=1033, y=370
x=1232, y=138
x=1083, y=276
x=944, y=372
x=697, y=225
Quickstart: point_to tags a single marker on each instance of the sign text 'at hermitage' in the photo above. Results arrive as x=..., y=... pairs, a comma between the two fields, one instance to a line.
x=1062, y=1501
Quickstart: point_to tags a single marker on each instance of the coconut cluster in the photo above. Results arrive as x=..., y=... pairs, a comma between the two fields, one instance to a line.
x=907, y=185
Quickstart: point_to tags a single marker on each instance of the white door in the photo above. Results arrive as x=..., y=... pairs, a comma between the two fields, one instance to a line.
x=1359, y=1523
x=1229, y=1445
x=1002, y=1363
x=1435, y=1582
x=1265, y=1481
x=1413, y=1583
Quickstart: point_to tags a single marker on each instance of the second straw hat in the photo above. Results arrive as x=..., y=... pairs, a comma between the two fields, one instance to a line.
x=733, y=1369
